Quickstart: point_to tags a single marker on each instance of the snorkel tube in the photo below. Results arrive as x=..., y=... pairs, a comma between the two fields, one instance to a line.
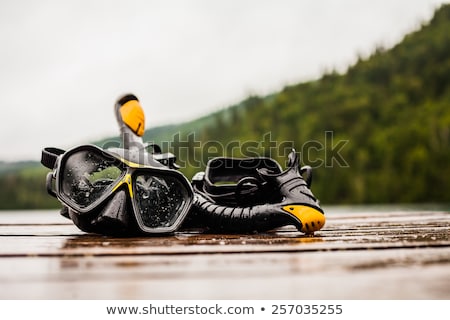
x=131, y=120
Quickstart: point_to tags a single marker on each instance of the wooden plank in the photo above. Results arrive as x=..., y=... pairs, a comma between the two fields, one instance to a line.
x=384, y=255
x=395, y=274
x=342, y=232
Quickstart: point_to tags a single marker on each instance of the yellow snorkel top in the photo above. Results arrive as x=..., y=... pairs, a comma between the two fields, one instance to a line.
x=131, y=119
x=133, y=116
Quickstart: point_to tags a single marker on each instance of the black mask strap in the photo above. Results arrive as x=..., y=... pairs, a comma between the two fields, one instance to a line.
x=49, y=156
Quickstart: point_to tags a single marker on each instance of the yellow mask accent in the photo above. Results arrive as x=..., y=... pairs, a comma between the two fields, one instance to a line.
x=133, y=116
x=126, y=179
x=312, y=219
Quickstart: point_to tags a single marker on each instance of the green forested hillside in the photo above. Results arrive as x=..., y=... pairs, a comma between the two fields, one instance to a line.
x=22, y=186
x=393, y=109
x=378, y=133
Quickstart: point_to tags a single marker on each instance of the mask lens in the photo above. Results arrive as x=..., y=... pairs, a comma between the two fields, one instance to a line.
x=86, y=176
x=160, y=200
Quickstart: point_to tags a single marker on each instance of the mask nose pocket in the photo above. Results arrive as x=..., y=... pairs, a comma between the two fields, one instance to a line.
x=110, y=219
x=113, y=218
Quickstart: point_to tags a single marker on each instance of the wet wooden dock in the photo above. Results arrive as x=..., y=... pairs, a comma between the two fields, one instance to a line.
x=381, y=254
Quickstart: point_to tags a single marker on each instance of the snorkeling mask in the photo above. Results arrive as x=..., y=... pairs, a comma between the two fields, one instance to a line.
x=120, y=191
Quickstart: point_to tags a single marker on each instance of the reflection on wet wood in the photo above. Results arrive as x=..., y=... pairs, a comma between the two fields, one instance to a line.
x=385, y=255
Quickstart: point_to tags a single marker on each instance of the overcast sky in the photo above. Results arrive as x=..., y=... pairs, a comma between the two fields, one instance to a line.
x=63, y=64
